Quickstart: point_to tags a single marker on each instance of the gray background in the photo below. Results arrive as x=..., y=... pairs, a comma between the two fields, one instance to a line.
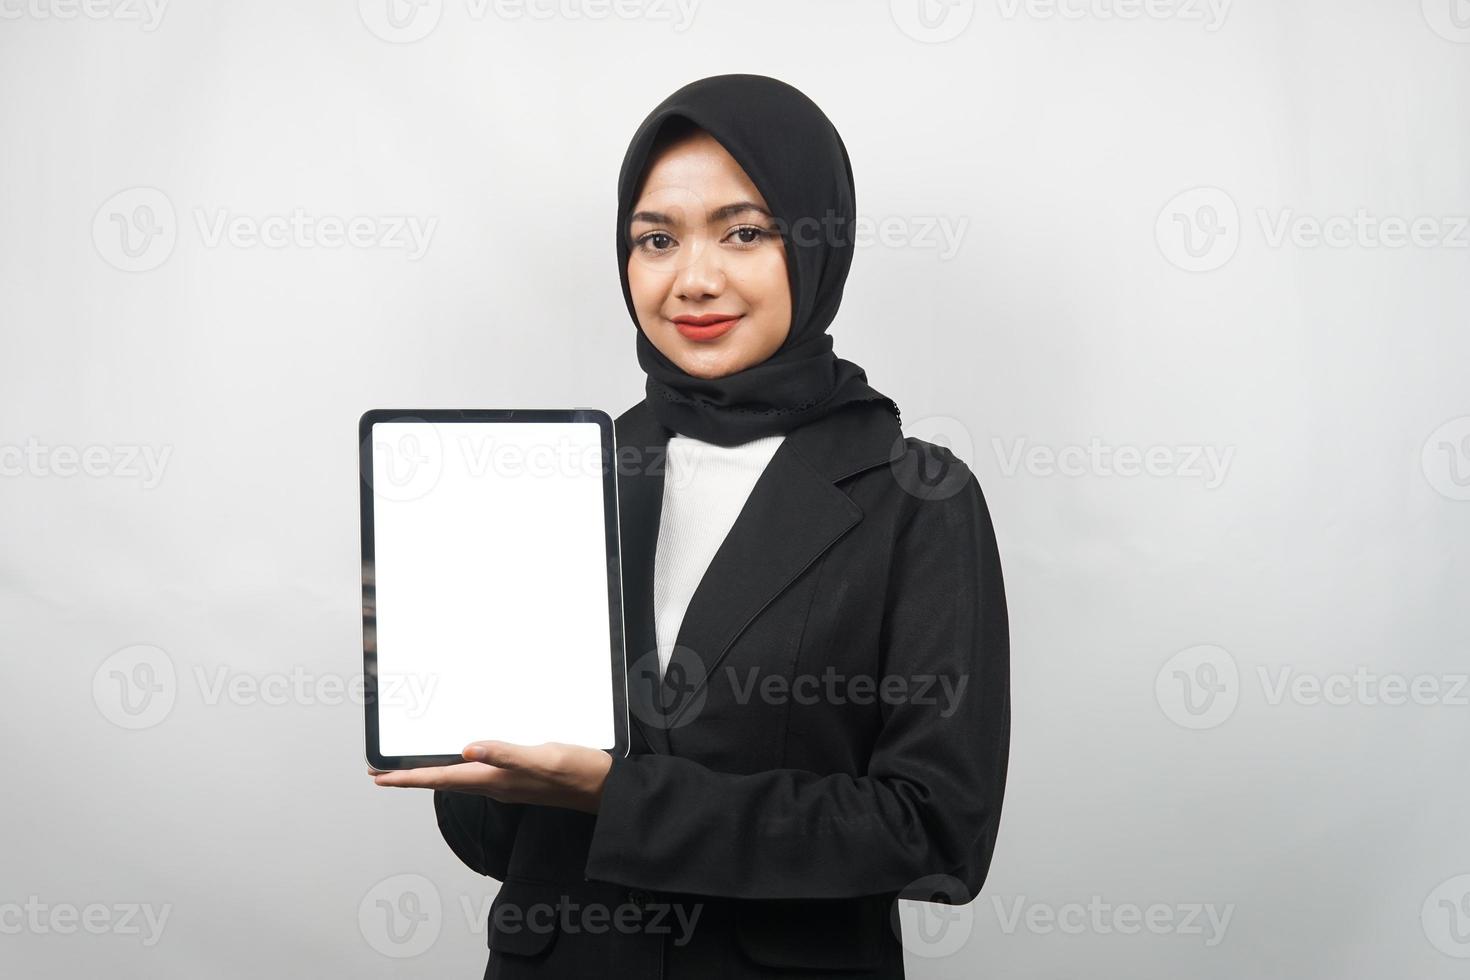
x=1131, y=194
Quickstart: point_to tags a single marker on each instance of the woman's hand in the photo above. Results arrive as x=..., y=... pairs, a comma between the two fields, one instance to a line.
x=552, y=774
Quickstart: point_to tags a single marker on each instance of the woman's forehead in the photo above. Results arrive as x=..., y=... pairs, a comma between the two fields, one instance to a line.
x=699, y=165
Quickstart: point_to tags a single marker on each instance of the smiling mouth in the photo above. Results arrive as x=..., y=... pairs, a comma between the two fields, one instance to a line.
x=706, y=327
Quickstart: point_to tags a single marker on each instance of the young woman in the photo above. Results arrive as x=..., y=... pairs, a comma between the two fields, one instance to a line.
x=814, y=612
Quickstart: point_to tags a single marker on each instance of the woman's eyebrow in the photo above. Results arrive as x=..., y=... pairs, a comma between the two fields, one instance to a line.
x=718, y=214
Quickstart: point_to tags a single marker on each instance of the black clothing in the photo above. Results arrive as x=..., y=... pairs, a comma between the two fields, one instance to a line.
x=790, y=821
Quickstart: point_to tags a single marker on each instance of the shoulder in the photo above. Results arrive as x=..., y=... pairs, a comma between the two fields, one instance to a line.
x=930, y=472
x=936, y=497
x=638, y=411
x=943, y=532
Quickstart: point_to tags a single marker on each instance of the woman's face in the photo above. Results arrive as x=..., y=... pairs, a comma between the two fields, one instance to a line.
x=707, y=268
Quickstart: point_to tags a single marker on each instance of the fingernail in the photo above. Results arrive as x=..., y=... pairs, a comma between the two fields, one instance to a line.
x=475, y=752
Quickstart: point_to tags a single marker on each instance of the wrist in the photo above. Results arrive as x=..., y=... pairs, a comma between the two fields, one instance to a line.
x=591, y=796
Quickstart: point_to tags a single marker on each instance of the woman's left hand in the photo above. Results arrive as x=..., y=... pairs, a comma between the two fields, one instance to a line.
x=552, y=774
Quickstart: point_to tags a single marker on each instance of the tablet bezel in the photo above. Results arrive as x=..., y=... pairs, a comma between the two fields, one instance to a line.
x=618, y=651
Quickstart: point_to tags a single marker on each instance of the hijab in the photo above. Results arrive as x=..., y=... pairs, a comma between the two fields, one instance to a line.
x=796, y=159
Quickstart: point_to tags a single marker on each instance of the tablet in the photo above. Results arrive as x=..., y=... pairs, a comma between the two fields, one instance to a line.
x=491, y=582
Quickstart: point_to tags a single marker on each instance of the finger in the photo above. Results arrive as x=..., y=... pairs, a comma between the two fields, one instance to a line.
x=464, y=775
x=502, y=755
x=407, y=777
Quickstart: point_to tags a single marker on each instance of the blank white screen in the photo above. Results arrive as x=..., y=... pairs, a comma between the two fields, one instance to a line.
x=491, y=585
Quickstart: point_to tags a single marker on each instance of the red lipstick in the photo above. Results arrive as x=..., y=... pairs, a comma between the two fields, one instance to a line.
x=706, y=326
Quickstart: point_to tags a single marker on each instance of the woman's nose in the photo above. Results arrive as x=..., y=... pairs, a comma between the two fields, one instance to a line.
x=702, y=274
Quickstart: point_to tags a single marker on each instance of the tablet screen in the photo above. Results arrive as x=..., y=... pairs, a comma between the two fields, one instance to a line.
x=491, y=585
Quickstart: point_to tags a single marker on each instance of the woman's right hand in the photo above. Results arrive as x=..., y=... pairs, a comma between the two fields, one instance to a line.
x=552, y=774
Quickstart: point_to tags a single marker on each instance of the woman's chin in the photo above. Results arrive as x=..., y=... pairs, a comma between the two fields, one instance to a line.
x=710, y=368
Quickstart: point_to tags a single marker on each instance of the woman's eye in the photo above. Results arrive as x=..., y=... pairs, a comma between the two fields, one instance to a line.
x=749, y=234
x=655, y=241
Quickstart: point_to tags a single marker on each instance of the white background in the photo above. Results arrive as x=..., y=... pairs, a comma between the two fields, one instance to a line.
x=1094, y=301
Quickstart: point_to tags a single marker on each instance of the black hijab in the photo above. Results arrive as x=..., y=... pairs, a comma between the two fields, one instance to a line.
x=796, y=159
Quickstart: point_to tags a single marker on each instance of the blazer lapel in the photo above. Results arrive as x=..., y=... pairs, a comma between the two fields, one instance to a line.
x=794, y=514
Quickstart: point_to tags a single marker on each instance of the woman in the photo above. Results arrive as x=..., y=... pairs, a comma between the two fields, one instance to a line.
x=815, y=623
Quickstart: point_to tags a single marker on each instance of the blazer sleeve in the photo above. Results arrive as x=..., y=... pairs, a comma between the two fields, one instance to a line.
x=479, y=830
x=929, y=803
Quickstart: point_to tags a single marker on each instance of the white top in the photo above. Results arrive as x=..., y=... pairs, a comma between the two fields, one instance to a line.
x=705, y=488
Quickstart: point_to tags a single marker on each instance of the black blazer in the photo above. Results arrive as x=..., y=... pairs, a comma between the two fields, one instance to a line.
x=833, y=730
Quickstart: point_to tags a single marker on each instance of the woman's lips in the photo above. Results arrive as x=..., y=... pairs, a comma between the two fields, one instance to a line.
x=705, y=327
